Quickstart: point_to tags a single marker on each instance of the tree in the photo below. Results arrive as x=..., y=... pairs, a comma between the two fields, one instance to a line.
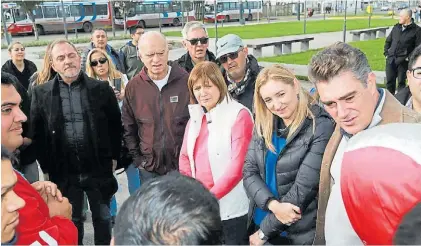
x=29, y=8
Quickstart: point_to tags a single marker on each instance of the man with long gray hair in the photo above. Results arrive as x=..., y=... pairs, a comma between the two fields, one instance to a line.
x=196, y=42
x=347, y=88
x=402, y=40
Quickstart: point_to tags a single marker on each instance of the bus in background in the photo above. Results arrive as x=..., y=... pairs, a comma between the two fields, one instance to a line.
x=149, y=13
x=228, y=10
x=81, y=15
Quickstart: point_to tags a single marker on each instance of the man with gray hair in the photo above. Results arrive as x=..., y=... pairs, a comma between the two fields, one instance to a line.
x=76, y=127
x=347, y=88
x=402, y=40
x=196, y=42
x=155, y=111
x=240, y=69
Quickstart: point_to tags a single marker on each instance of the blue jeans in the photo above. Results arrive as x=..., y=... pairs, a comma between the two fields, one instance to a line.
x=133, y=179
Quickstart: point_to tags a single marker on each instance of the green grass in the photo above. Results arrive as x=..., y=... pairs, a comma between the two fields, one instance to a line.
x=292, y=28
x=373, y=49
x=83, y=40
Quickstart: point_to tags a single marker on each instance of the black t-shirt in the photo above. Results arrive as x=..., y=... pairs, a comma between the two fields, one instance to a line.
x=23, y=76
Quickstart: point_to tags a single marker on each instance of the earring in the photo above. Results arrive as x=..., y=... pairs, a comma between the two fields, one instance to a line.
x=298, y=96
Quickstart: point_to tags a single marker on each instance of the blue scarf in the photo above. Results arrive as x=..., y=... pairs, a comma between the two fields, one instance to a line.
x=270, y=170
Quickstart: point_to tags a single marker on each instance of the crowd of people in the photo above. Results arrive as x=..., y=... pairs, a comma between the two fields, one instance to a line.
x=216, y=149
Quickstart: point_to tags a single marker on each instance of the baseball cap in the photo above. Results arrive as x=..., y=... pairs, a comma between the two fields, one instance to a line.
x=228, y=44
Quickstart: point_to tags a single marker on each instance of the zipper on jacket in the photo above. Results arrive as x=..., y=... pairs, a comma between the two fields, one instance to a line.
x=73, y=123
x=161, y=116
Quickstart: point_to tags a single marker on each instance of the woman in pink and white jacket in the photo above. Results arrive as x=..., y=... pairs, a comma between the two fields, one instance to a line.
x=215, y=144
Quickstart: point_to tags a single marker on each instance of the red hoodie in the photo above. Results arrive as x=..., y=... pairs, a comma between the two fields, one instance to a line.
x=35, y=223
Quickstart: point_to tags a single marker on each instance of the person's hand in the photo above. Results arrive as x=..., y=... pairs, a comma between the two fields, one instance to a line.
x=46, y=187
x=57, y=208
x=286, y=213
x=118, y=94
x=255, y=240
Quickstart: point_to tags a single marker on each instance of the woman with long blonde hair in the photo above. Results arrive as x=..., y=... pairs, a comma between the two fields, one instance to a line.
x=46, y=74
x=99, y=65
x=282, y=168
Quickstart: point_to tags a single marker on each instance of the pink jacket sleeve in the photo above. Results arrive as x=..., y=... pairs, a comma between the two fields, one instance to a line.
x=240, y=138
x=183, y=161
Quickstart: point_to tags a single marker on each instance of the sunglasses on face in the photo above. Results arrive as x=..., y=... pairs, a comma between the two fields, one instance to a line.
x=101, y=60
x=194, y=41
x=232, y=56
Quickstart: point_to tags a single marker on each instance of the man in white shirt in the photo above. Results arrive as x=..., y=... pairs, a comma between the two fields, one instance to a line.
x=155, y=110
x=347, y=88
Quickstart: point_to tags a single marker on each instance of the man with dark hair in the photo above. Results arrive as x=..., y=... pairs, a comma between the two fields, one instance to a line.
x=25, y=151
x=410, y=96
x=76, y=126
x=99, y=39
x=402, y=40
x=45, y=210
x=10, y=202
x=347, y=88
x=169, y=210
x=132, y=63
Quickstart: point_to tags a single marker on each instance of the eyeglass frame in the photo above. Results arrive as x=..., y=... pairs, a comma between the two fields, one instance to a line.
x=231, y=55
x=101, y=60
x=197, y=40
x=412, y=70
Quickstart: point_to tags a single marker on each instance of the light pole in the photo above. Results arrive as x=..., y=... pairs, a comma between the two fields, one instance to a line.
x=344, y=38
x=305, y=16
x=112, y=17
x=6, y=34
x=216, y=25
x=63, y=13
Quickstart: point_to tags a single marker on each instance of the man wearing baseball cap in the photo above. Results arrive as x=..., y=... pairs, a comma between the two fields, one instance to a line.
x=239, y=68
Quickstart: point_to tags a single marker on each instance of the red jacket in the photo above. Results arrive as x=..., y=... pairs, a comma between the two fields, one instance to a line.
x=35, y=224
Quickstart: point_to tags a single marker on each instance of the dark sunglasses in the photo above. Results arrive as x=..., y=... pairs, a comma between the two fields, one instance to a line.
x=232, y=56
x=101, y=60
x=194, y=41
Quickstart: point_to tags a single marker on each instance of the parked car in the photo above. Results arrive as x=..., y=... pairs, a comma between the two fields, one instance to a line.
x=403, y=6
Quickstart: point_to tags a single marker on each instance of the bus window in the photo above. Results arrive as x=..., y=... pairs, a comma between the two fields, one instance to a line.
x=8, y=15
x=140, y=9
x=102, y=9
x=166, y=7
x=66, y=10
x=89, y=10
x=233, y=6
x=176, y=6
x=19, y=15
x=75, y=10
x=49, y=12
x=149, y=8
x=158, y=8
x=38, y=12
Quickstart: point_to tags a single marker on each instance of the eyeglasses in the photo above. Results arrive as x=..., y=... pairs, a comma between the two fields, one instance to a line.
x=416, y=72
x=101, y=60
x=232, y=56
x=194, y=41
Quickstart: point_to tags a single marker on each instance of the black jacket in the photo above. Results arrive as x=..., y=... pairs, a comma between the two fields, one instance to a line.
x=404, y=95
x=186, y=62
x=297, y=176
x=34, y=77
x=47, y=127
x=29, y=70
x=400, y=44
x=246, y=98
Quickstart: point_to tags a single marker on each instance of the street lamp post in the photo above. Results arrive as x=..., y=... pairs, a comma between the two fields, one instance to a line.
x=63, y=13
x=344, y=37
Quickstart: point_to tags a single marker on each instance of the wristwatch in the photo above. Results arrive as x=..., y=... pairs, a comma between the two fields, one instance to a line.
x=262, y=236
